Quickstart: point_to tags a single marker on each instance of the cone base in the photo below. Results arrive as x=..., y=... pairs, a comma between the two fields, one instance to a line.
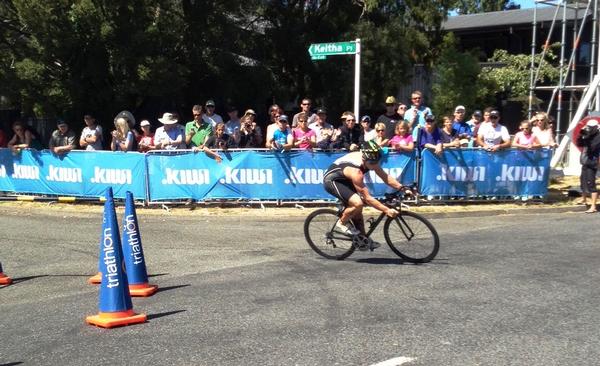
x=95, y=279
x=142, y=290
x=116, y=319
x=5, y=280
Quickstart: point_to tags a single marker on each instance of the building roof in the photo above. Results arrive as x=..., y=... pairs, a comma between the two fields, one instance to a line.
x=508, y=18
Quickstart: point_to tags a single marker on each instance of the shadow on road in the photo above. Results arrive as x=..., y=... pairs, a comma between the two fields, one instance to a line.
x=160, y=315
x=163, y=289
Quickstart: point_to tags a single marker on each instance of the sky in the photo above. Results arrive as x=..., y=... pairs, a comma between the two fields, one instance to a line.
x=526, y=3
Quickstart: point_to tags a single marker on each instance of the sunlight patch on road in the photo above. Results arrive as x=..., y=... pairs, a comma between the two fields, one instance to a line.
x=396, y=361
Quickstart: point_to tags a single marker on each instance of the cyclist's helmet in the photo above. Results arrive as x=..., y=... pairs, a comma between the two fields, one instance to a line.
x=371, y=151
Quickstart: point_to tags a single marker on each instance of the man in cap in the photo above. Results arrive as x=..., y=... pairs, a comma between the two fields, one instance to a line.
x=493, y=136
x=460, y=127
x=429, y=136
x=210, y=116
x=323, y=129
x=282, y=138
x=198, y=130
x=349, y=133
x=304, y=108
x=589, y=140
x=91, y=136
x=170, y=135
x=63, y=139
x=390, y=118
x=415, y=115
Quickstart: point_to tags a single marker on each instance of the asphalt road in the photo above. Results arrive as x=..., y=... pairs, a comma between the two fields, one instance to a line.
x=246, y=290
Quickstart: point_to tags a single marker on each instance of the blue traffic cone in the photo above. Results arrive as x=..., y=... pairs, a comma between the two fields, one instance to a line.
x=133, y=253
x=115, y=302
x=4, y=279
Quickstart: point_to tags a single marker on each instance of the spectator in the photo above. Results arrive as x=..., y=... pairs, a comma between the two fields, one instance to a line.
x=323, y=129
x=146, y=142
x=486, y=115
x=123, y=138
x=130, y=121
x=347, y=136
x=3, y=140
x=462, y=130
x=282, y=138
x=429, y=136
x=255, y=127
x=210, y=116
x=22, y=138
x=448, y=134
x=380, y=134
x=368, y=133
x=401, y=111
x=542, y=130
x=475, y=120
x=63, y=139
x=232, y=127
x=249, y=136
x=198, y=130
x=402, y=140
x=390, y=118
x=415, y=115
x=220, y=140
x=493, y=136
x=304, y=137
x=589, y=140
x=91, y=136
x=304, y=108
x=170, y=135
x=525, y=139
x=273, y=124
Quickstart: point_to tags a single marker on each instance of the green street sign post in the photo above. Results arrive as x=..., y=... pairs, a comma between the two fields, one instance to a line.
x=320, y=51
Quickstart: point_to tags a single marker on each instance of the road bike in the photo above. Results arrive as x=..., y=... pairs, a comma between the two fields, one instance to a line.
x=409, y=235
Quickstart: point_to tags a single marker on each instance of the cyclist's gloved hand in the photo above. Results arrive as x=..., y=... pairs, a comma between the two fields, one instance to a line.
x=391, y=212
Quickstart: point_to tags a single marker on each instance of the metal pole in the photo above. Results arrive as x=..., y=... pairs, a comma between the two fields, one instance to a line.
x=594, y=46
x=357, y=80
x=573, y=68
x=532, y=66
x=561, y=85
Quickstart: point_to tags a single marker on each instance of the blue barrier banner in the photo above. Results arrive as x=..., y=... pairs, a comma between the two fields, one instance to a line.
x=78, y=173
x=256, y=175
x=476, y=172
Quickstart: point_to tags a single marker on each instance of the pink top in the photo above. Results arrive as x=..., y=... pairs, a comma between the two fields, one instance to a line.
x=545, y=137
x=522, y=139
x=304, y=137
x=401, y=140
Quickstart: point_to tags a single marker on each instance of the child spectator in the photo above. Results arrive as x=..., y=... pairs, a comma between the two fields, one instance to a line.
x=91, y=135
x=380, y=137
x=304, y=137
x=220, y=140
x=402, y=140
x=525, y=139
x=448, y=134
x=146, y=142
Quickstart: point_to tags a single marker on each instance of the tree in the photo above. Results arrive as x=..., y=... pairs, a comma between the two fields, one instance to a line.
x=484, y=6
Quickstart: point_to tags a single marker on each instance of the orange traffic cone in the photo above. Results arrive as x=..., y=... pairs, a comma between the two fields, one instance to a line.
x=115, y=302
x=4, y=279
x=95, y=279
x=133, y=253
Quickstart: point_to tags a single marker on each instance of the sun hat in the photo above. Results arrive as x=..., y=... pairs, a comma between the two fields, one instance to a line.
x=168, y=119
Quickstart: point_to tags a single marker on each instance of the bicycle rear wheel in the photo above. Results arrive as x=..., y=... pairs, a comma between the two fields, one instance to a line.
x=319, y=233
x=412, y=237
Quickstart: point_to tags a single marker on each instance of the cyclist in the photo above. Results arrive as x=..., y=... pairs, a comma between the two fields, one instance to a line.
x=345, y=180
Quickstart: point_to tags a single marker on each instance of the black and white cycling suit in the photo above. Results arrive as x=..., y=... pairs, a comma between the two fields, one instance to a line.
x=336, y=183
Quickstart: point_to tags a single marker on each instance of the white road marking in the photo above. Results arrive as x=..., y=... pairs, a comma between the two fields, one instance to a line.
x=396, y=361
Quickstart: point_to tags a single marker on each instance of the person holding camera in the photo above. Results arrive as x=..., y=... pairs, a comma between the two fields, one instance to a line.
x=589, y=140
x=249, y=135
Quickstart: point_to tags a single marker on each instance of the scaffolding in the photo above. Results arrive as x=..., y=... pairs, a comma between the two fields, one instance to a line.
x=567, y=10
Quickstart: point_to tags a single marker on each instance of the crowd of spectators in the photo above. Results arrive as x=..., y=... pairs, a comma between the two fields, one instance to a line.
x=401, y=127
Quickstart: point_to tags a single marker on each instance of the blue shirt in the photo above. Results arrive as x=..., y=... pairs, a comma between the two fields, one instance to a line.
x=425, y=137
x=281, y=136
x=461, y=128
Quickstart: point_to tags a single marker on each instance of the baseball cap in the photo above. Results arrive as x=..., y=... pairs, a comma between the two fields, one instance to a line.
x=494, y=113
x=459, y=108
x=145, y=123
x=210, y=103
x=365, y=118
x=429, y=117
x=592, y=123
x=60, y=122
x=477, y=113
x=283, y=118
x=390, y=100
x=321, y=111
x=249, y=111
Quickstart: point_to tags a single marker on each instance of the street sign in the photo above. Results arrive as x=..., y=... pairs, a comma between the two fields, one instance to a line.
x=318, y=51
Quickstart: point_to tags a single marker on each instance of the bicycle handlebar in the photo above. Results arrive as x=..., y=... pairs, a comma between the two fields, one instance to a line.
x=395, y=198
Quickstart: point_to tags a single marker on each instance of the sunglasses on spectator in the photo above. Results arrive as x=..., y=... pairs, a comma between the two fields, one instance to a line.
x=350, y=119
x=305, y=103
x=416, y=98
x=197, y=114
x=494, y=117
x=380, y=130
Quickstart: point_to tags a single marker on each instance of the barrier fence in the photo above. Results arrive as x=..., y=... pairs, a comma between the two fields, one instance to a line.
x=265, y=175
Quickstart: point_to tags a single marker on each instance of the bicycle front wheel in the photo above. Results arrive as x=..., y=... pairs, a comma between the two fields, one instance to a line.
x=412, y=237
x=319, y=233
